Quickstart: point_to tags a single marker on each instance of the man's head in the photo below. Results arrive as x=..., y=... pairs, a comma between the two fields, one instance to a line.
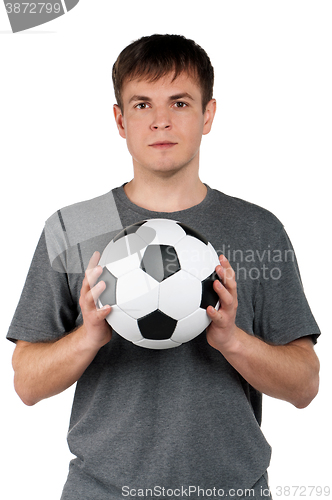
x=163, y=86
x=153, y=57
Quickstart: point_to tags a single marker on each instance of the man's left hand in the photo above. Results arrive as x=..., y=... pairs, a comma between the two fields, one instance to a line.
x=222, y=331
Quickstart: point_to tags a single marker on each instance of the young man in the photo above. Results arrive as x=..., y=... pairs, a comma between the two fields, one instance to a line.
x=181, y=421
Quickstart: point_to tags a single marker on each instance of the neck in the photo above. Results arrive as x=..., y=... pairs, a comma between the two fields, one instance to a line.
x=165, y=195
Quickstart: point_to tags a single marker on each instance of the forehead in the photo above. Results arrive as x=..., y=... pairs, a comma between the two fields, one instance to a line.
x=164, y=86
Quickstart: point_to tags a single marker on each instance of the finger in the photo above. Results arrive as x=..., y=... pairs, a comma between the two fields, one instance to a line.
x=90, y=291
x=88, y=281
x=226, y=298
x=89, y=300
x=226, y=267
x=92, y=275
x=226, y=274
x=215, y=315
x=94, y=260
x=104, y=312
x=97, y=290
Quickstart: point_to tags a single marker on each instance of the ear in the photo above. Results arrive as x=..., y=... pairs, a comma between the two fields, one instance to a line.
x=119, y=120
x=209, y=113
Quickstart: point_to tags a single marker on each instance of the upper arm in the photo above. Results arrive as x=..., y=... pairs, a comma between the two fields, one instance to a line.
x=304, y=342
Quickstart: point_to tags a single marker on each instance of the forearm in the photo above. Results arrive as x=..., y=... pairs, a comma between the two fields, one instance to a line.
x=288, y=372
x=46, y=369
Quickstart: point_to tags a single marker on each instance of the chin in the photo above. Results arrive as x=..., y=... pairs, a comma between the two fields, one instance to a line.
x=168, y=168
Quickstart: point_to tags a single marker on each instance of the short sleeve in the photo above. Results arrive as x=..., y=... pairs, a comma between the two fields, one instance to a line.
x=282, y=313
x=46, y=309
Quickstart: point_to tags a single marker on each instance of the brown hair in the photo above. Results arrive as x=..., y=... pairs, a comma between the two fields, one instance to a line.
x=155, y=56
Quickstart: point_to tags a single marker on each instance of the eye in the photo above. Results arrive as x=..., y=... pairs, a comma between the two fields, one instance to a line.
x=180, y=104
x=142, y=105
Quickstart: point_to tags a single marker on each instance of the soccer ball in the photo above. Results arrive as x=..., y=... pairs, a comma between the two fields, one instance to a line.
x=159, y=276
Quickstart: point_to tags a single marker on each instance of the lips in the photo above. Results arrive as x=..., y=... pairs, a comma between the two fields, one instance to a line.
x=163, y=145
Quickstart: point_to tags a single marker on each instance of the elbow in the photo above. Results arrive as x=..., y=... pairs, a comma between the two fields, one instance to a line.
x=309, y=385
x=309, y=393
x=305, y=400
x=23, y=393
x=27, y=402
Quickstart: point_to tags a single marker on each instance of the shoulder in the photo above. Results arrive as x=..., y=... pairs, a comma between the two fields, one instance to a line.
x=243, y=213
x=74, y=232
x=86, y=219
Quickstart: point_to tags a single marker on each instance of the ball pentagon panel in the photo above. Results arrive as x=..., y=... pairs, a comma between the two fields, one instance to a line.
x=160, y=261
x=157, y=326
x=108, y=297
x=209, y=296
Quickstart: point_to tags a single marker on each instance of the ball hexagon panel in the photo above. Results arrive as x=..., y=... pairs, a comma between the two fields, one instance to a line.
x=167, y=232
x=189, y=327
x=137, y=293
x=180, y=295
x=123, y=324
x=196, y=257
x=123, y=255
x=157, y=344
x=124, y=266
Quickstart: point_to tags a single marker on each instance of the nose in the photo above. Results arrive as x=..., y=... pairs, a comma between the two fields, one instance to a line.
x=161, y=120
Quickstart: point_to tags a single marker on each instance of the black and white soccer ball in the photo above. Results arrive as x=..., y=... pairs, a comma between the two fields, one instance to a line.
x=159, y=276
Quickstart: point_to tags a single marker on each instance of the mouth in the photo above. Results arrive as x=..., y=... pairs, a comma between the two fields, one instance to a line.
x=163, y=145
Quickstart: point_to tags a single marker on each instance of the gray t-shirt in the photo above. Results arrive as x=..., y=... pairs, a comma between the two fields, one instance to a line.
x=145, y=418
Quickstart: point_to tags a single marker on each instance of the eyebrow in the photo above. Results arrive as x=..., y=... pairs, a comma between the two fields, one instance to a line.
x=181, y=96
x=171, y=98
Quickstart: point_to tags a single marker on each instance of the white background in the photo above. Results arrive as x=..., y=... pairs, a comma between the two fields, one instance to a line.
x=270, y=144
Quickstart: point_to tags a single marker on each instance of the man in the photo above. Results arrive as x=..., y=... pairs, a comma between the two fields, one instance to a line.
x=181, y=421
